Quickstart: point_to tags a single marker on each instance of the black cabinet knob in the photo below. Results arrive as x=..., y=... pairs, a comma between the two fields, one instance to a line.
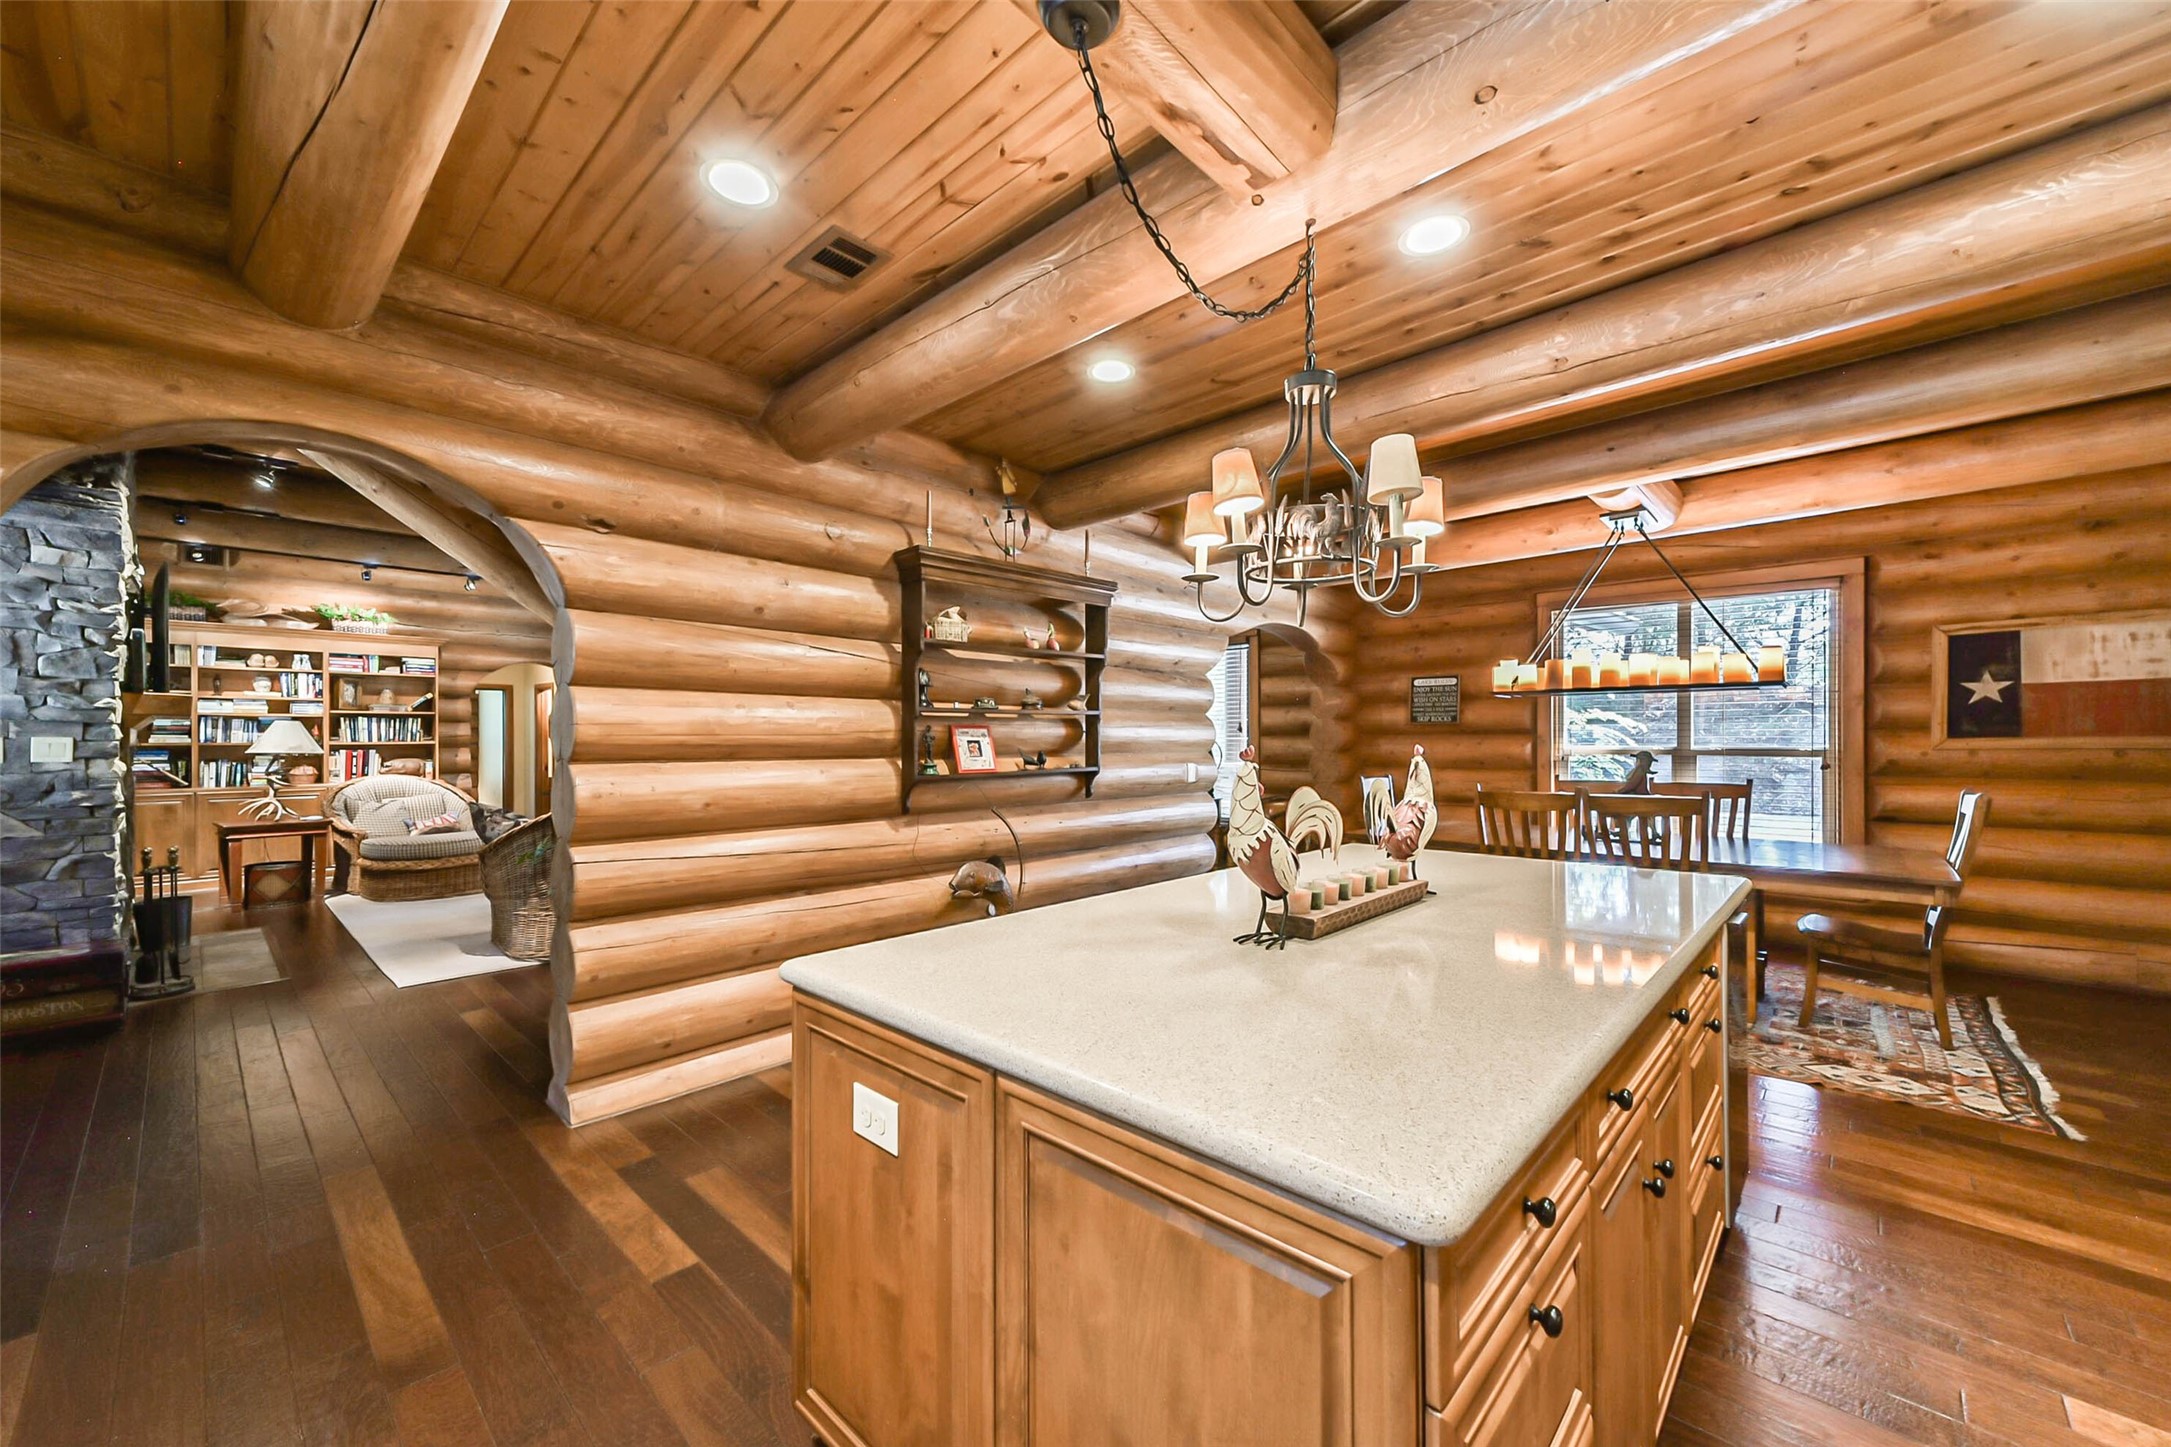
x=1664, y=1168
x=1717, y=1163
x=1549, y=1318
x=1711, y=972
x=1624, y=1098
x=1656, y=1187
x=1543, y=1209
x=1679, y=1017
x=1713, y=1025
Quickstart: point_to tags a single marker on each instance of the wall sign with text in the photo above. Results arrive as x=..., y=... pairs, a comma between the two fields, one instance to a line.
x=1436, y=700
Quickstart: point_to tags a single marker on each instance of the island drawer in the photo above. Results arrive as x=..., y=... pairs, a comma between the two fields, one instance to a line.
x=1471, y=1287
x=1636, y=1076
x=1532, y=1384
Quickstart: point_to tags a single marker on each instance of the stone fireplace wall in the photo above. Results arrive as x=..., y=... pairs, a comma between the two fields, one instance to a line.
x=65, y=561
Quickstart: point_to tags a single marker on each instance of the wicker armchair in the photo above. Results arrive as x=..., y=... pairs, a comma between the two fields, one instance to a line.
x=373, y=852
x=516, y=877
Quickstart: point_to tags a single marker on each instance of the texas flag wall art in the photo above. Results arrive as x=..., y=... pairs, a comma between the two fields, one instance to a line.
x=2102, y=680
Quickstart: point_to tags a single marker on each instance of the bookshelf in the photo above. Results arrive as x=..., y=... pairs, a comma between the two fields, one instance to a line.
x=367, y=700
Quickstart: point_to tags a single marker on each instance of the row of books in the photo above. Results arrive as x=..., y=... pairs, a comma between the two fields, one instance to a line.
x=155, y=769
x=230, y=730
x=381, y=663
x=345, y=764
x=390, y=728
x=166, y=729
x=224, y=773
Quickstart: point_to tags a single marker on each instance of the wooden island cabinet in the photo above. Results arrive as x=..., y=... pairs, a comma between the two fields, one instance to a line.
x=997, y=1264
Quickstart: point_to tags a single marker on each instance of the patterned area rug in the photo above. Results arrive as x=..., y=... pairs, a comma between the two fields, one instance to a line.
x=1889, y=1051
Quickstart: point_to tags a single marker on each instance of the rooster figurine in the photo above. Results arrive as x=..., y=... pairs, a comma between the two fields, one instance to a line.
x=1410, y=824
x=1310, y=817
x=1258, y=849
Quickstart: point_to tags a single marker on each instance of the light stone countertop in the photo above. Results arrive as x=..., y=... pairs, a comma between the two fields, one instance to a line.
x=1398, y=1073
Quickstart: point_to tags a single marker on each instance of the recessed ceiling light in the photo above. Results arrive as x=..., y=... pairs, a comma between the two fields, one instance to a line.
x=1110, y=369
x=1431, y=235
x=740, y=182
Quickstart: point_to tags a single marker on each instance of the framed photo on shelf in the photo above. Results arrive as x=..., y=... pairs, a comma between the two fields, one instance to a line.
x=973, y=748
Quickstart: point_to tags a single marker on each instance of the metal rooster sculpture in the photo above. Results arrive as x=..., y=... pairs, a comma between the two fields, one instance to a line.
x=1258, y=849
x=1310, y=817
x=1410, y=824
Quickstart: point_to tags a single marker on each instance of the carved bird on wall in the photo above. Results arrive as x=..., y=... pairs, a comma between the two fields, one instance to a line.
x=983, y=879
x=1310, y=817
x=1410, y=824
x=1259, y=850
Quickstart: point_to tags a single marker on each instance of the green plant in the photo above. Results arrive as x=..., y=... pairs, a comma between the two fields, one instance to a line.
x=350, y=613
x=178, y=598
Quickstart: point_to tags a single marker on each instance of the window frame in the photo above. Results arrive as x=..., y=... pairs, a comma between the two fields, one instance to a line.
x=1844, y=576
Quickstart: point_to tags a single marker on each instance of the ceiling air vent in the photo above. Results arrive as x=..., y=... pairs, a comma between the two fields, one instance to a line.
x=836, y=259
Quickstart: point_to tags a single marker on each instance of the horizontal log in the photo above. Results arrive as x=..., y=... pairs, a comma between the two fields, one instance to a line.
x=628, y=651
x=612, y=1034
x=601, y=1096
x=657, y=801
x=2072, y=856
x=2045, y=803
x=2073, y=220
x=656, y=724
x=1123, y=866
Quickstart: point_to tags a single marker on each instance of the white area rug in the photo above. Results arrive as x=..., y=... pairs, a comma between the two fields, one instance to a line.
x=422, y=941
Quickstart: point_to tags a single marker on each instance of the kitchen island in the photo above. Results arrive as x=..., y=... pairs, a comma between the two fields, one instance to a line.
x=1096, y=1174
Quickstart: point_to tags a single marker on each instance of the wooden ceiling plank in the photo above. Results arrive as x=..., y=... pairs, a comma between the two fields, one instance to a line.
x=803, y=100
x=1094, y=270
x=2112, y=349
x=865, y=180
x=871, y=70
x=201, y=129
x=994, y=195
x=602, y=71
x=644, y=136
x=1008, y=126
x=38, y=82
x=2032, y=233
x=1247, y=92
x=121, y=46
x=515, y=85
x=673, y=209
x=1598, y=206
x=340, y=127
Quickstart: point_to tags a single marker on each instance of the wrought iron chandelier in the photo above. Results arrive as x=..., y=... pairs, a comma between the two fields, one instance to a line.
x=1363, y=529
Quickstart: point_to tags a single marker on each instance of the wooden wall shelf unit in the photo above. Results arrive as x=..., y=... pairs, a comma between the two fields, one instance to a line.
x=932, y=580
x=210, y=665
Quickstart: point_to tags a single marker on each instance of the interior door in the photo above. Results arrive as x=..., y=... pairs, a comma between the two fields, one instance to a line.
x=545, y=697
x=494, y=744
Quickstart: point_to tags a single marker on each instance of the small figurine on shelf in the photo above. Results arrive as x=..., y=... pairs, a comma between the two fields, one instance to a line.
x=985, y=703
x=1035, y=760
x=1258, y=849
x=928, y=764
x=950, y=626
x=925, y=683
x=1032, y=700
x=1309, y=816
x=1410, y=824
x=1039, y=637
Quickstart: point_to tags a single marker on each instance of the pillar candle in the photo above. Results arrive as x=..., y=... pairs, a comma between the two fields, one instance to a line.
x=1504, y=675
x=1771, y=664
x=1526, y=677
x=1556, y=673
x=1736, y=668
x=1612, y=671
x=1379, y=877
x=1673, y=671
x=1582, y=673
x=1704, y=667
x=1300, y=901
x=1642, y=669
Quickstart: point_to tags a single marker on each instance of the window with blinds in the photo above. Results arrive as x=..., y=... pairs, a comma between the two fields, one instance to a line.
x=1230, y=716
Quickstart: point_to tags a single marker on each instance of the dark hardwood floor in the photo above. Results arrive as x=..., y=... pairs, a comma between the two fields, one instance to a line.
x=326, y=1210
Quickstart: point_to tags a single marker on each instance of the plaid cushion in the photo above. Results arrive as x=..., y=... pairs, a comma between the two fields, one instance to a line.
x=437, y=824
x=421, y=846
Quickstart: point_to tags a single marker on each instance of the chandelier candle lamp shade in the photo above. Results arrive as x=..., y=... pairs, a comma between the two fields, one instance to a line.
x=1546, y=671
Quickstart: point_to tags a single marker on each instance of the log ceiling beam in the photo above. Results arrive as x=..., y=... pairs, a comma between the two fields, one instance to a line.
x=1246, y=92
x=1425, y=89
x=463, y=535
x=343, y=111
x=2112, y=349
x=256, y=532
x=2074, y=221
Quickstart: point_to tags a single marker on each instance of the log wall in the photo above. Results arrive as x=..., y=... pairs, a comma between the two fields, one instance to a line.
x=2073, y=874
x=725, y=625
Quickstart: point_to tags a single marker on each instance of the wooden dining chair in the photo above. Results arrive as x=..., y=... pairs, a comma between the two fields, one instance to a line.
x=1528, y=823
x=1880, y=953
x=1727, y=818
x=1670, y=833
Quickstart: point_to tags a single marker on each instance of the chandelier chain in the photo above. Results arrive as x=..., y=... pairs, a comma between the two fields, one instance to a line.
x=1107, y=125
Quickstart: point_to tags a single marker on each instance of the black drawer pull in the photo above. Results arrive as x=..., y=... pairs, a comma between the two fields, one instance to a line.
x=1624, y=1098
x=1549, y=1318
x=1542, y=1209
x=1664, y=1168
x=1713, y=1025
x=1717, y=1163
x=1680, y=1016
x=1656, y=1187
x=1711, y=972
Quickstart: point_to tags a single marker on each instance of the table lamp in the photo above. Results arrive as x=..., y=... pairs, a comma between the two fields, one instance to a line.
x=281, y=740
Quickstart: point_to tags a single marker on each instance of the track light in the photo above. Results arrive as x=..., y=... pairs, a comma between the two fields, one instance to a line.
x=180, y=519
x=197, y=553
x=472, y=582
x=368, y=572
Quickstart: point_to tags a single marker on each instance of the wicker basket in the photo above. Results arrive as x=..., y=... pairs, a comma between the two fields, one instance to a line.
x=516, y=877
x=351, y=625
x=393, y=880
